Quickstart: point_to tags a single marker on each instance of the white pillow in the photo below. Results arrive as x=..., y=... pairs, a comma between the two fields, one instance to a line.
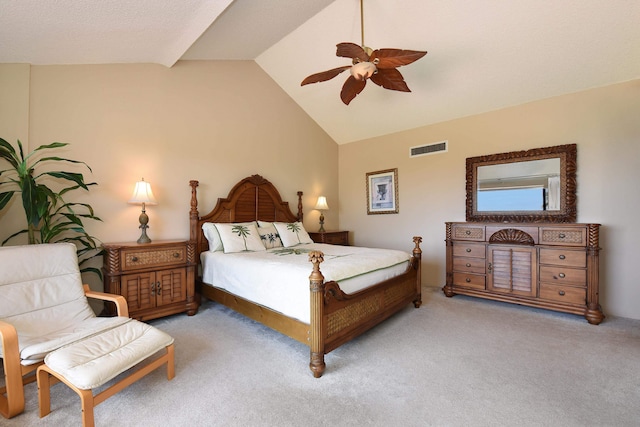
x=269, y=235
x=292, y=233
x=264, y=224
x=213, y=237
x=240, y=237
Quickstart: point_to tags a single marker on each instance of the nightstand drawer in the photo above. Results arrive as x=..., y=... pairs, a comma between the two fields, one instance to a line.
x=153, y=257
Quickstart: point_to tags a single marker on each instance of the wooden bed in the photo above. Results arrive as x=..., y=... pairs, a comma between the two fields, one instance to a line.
x=336, y=317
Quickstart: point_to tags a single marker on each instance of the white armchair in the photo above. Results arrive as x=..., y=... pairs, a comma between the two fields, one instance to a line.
x=43, y=307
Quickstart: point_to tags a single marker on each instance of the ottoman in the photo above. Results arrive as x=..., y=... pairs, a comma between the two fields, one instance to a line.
x=93, y=361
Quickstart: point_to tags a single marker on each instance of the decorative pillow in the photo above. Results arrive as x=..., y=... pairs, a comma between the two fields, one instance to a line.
x=269, y=235
x=212, y=236
x=240, y=237
x=292, y=233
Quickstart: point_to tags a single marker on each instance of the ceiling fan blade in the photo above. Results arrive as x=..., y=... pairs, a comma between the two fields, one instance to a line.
x=390, y=78
x=351, y=50
x=324, y=76
x=392, y=58
x=351, y=88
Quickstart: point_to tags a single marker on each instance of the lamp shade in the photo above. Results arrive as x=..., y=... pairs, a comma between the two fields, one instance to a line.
x=142, y=194
x=322, y=204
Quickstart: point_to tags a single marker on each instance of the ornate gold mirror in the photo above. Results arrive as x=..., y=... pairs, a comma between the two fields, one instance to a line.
x=537, y=185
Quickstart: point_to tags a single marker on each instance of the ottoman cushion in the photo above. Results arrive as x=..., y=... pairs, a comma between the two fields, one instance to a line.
x=93, y=361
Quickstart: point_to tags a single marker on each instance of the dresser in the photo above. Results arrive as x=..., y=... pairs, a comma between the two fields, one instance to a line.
x=331, y=237
x=157, y=279
x=551, y=266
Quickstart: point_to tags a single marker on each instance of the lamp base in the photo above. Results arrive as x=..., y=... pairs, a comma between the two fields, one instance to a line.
x=321, y=230
x=144, y=220
x=143, y=237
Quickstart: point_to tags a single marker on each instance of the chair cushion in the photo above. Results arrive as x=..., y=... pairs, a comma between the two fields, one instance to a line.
x=34, y=347
x=93, y=361
x=42, y=296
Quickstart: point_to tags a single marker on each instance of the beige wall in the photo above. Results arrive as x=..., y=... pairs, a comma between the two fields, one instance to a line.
x=603, y=122
x=216, y=122
x=221, y=121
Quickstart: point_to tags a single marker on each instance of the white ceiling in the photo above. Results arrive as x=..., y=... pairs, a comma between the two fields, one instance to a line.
x=483, y=54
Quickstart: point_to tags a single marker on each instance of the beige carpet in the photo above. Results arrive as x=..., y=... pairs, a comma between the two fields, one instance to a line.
x=453, y=362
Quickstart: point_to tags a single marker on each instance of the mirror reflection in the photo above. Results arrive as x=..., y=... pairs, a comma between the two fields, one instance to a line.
x=520, y=186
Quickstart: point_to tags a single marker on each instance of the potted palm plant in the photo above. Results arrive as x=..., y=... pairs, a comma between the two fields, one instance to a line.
x=49, y=217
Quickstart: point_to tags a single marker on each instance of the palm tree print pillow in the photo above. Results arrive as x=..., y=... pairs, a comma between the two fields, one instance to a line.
x=240, y=237
x=292, y=233
x=270, y=237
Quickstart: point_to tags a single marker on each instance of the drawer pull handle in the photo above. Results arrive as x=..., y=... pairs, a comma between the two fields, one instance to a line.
x=468, y=249
x=134, y=258
x=153, y=289
x=467, y=280
x=468, y=264
x=176, y=255
x=158, y=288
x=468, y=232
x=561, y=275
x=561, y=293
x=489, y=268
x=562, y=257
x=561, y=235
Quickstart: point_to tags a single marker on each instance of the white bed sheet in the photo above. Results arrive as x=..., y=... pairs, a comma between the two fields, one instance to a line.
x=279, y=278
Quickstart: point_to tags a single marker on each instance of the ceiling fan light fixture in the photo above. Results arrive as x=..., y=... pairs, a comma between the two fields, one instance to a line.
x=363, y=70
x=379, y=66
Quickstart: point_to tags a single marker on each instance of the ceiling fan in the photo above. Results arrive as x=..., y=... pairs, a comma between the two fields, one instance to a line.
x=380, y=66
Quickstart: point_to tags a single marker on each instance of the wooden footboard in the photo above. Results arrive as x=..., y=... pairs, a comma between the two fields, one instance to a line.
x=337, y=317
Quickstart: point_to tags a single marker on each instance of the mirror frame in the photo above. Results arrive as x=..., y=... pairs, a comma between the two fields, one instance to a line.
x=568, y=185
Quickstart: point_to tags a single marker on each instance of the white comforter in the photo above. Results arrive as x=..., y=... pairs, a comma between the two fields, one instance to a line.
x=279, y=278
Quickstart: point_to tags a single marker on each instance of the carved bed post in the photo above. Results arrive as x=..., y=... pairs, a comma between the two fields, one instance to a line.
x=316, y=286
x=300, y=214
x=193, y=213
x=417, y=255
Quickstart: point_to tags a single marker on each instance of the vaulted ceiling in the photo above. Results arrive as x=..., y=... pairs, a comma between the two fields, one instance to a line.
x=483, y=55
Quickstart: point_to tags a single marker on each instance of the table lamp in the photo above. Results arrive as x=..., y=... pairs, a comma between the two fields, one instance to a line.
x=142, y=194
x=322, y=206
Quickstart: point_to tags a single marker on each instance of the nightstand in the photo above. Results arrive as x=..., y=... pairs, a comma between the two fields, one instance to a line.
x=157, y=279
x=331, y=237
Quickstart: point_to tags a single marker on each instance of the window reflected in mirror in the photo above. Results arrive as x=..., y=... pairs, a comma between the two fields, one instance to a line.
x=521, y=186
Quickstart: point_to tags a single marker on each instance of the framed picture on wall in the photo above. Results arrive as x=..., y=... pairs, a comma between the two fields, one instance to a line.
x=382, y=192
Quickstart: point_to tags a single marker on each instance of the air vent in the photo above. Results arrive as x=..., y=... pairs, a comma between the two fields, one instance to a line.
x=423, y=150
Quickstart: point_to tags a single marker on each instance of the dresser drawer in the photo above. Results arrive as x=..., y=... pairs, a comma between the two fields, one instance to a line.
x=469, y=265
x=564, y=236
x=563, y=257
x=476, y=281
x=133, y=259
x=468, y=232
x=472, y=250
x=568, y=294
x=561, y=275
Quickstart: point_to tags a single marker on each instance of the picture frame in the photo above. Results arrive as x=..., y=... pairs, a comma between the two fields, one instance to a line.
x=382, y=192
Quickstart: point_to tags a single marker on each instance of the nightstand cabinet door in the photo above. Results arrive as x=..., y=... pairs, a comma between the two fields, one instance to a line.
x=157, y=279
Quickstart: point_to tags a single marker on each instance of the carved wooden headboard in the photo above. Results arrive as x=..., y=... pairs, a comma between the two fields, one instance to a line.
x=253, y=198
